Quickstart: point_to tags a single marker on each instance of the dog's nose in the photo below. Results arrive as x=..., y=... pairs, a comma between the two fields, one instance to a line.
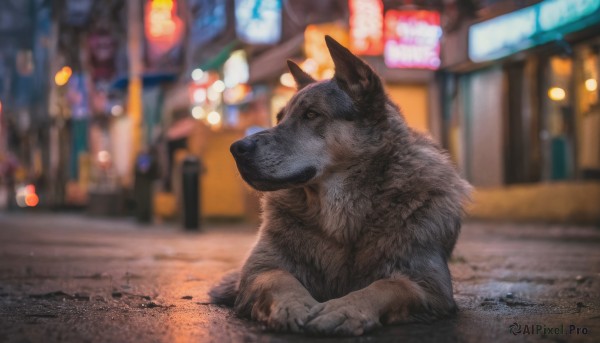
x=243, y=147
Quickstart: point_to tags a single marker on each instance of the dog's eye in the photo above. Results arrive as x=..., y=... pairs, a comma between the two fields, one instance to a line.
x=311, y=115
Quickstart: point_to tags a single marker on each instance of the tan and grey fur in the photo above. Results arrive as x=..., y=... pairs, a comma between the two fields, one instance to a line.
x=360, y=213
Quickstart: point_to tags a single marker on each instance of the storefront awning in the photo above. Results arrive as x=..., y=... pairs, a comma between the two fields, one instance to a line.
x=217, y=61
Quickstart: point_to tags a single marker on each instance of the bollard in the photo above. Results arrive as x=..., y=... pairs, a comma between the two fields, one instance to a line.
x=190, y=170
x=145, y=173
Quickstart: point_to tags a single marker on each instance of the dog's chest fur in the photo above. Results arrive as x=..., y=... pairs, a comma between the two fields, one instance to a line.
x=329, y=269
x=341, y=214
x=332, y=250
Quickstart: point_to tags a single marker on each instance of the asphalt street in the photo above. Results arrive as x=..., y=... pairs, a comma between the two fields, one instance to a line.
x=71, y=278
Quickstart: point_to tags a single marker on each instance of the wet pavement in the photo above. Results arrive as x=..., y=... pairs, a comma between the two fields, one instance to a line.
x=70, y=278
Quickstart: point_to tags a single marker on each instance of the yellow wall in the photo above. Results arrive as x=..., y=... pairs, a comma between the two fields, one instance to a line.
x=222, y=193
x=557, y=202
x=412, y=100
x=221, y=187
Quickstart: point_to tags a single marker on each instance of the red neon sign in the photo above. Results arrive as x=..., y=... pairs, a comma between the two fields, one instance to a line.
x=161, y=21
x=366, y=27
x=412, y=39
x=163, y=28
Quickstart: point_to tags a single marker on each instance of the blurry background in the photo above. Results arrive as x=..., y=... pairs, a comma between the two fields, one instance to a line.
x=101, y=101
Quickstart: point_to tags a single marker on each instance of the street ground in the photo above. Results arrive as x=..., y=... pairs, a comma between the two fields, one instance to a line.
x=70, y=278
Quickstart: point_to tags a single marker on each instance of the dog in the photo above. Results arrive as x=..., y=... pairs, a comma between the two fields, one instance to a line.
x=359, y=212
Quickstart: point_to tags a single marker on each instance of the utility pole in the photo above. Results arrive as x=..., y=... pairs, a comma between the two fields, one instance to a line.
x=134, y=103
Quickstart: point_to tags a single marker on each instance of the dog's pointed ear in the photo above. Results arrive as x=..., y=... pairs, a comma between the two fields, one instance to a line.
x=352, y=74
x=300, y=76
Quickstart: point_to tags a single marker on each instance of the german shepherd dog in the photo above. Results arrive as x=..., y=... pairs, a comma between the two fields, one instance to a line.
x=360, y=213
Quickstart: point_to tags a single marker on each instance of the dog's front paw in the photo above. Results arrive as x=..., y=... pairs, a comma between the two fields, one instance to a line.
x=339, y=317
x=288, y=315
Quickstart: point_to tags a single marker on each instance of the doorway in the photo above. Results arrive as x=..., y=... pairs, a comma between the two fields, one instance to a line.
x=558, y=118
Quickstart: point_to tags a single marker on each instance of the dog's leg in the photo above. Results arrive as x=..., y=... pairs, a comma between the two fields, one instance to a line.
x=389, y=300
x=275, y=298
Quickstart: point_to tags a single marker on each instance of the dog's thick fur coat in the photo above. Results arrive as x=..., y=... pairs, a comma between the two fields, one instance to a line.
x=360, y=213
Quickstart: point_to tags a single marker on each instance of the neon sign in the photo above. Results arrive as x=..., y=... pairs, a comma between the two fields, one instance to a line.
x=161, y=22
x=162, y=27
x=412, y=39
x=366, y=27
x=208, y=19
x=258, y=21
x=530, y=26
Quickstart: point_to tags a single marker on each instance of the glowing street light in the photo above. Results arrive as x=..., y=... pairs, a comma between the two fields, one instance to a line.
x=103, y=156
x=26, y=196
x=218, y=86
x=199, y=95
x=287, y=80
x=197, y=74
x=198, y=112
x=310, y=66
x=116, y=110
x=557, y=93
x=63, y=75
x=591, y=85
x=213, y=118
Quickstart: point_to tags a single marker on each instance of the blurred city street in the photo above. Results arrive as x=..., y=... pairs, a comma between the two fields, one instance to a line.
x=121, y=203
x=73, y=278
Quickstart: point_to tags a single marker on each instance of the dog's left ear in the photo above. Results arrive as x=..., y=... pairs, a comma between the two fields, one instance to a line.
x=353, y=75
x=300, y=76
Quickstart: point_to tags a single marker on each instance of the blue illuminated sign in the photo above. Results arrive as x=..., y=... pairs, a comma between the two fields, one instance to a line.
x=208, y=19
x=258, y=21
x=531, y=26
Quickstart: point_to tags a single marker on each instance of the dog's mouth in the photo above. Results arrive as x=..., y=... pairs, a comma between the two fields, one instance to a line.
x=265, y=183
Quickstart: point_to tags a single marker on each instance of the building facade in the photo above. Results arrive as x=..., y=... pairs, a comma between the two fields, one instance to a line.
x=524, y=104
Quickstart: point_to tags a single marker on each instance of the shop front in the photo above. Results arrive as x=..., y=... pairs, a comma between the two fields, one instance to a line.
x=523, y=104
x=520, y=106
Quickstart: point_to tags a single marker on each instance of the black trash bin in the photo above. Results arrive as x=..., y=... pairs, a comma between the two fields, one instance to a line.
x=190, y=170
x=145, y=173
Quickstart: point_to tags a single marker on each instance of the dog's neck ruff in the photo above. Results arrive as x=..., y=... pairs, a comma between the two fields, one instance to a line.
x=342, y=213
x=342, y=202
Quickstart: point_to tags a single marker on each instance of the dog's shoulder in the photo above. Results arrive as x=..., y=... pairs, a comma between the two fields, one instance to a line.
x=424, y=169
x=422, y=195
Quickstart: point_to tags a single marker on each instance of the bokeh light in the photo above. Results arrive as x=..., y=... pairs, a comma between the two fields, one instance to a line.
x=198, y=112
x=213, y=118
x=219, y=86
x=287, y=80
x=557, y=94
x=591, y=85
x=197, y=74
x=63, y=75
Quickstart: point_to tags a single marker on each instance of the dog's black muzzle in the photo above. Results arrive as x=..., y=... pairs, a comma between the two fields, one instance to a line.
x=244, y=148
x=245, y=153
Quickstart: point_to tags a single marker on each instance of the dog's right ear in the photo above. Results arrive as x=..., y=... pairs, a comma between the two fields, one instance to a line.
x=300, y=76
x=354, y=76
